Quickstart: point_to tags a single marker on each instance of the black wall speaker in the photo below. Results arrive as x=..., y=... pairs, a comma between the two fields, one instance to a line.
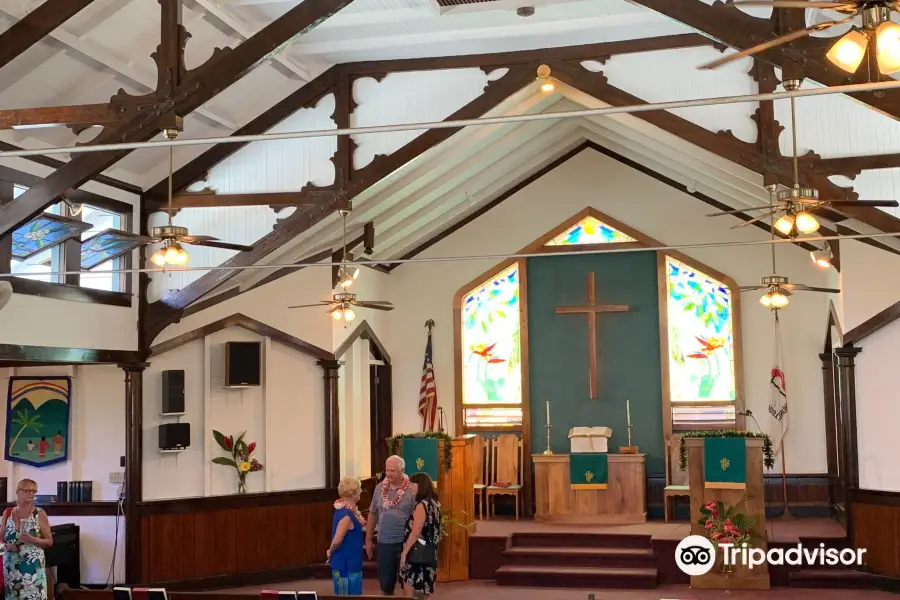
x=172, y=393
x=243, y=364
x=174, y=436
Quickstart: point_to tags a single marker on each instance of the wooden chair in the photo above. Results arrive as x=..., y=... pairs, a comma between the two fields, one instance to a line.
x=482, y=474
x=676, y=479
x=506, y=464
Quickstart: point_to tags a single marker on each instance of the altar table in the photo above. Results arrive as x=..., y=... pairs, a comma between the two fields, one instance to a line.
x=624, y=502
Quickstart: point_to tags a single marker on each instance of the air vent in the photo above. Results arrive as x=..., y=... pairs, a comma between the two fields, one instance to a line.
x=452, y=3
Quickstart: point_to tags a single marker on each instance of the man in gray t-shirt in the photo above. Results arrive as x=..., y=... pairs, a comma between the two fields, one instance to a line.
x=392, y=504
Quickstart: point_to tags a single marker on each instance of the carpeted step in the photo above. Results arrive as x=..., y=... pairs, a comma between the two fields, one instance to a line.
x=580, y=557
x=847, y=579
x=576, y=577
x=580, y=540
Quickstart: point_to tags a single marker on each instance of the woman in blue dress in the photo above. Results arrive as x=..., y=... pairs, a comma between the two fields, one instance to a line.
x=347, y=533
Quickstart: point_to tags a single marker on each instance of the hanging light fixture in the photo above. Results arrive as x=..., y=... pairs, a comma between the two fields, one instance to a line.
x=774, y=299
x=171, y=253
x=821, y=258
x=848, y=52
x=543, y=75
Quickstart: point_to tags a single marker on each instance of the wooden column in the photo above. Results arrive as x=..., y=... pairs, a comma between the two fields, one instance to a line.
x=846, y=400
x=455, y=491
x=835, y=491
x=134, y=440
x=332, y=423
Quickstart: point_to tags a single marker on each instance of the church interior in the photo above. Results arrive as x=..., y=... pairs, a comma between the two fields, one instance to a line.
x=613, y=273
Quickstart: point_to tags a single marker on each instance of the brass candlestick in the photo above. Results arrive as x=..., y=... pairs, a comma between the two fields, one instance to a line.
x=629, y=449
x=548, y=451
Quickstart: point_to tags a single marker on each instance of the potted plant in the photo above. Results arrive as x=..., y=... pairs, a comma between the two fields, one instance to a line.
x=241, y=459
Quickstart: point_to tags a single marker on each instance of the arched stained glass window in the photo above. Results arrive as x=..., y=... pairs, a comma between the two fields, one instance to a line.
x=701, y=345
x=492, y=353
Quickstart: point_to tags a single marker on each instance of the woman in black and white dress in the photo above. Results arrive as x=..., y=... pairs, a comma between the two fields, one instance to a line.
x=425, y=524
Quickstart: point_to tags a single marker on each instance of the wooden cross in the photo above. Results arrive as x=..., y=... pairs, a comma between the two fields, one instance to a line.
x=591, y=311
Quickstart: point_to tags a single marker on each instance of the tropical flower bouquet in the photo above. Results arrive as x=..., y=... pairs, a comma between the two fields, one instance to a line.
x=725, y=525
x=241, y=459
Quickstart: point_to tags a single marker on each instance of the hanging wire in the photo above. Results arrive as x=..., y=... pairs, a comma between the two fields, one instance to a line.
x=483, y=257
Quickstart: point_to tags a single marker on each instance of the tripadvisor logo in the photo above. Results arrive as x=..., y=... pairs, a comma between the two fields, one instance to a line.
x=695, y=555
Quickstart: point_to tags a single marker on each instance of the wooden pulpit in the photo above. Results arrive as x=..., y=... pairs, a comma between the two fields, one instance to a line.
x=718, y=472
x=458, y=505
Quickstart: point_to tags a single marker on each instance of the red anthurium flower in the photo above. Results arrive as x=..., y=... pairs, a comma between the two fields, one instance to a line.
x=251, y=447
x=229, y=443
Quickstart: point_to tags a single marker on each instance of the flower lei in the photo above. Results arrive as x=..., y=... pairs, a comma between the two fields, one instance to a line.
x=400, y=493
x=338, y=504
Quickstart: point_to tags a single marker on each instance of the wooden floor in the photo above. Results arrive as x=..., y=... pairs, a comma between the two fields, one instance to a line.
x=779, y=530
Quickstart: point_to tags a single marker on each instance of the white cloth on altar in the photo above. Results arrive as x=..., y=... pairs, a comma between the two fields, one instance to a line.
x=589, y=439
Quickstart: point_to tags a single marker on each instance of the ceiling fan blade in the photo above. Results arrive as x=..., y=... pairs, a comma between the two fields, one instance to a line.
x=784, y=39
x=193, y=239
x=374, y=305
x=752, y=288
x=752, y=221
x=320, y=304
x=794, y=4
x=738, y=211
x=806, y=288
x=885, y=203
x=217, y=244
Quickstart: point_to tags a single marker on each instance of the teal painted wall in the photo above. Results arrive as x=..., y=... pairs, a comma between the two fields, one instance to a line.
x=628, y=363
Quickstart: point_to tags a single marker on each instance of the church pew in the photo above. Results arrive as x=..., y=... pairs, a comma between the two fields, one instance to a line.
x=71, y=594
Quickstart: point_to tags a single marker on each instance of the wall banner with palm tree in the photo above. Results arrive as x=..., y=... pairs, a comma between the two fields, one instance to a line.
x=37, y=420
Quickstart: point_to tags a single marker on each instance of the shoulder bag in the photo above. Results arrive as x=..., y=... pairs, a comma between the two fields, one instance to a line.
x=422, y=554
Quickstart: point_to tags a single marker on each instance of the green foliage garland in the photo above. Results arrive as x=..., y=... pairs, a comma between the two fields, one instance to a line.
x=395, y=442
x=769, y=456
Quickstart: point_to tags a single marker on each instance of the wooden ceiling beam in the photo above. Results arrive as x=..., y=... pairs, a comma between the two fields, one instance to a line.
x=221, y=70
x=324, y=84
x=84, y=115
x=168, y=310
x=36, y=26
x=728, y=25
x=210, y=199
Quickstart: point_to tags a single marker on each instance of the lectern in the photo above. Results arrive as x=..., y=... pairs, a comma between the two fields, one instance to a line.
x=729, y=470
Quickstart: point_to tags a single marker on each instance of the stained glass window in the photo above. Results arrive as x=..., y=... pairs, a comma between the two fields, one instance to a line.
x=44, y=232
x=491, y=346
x=701, y=336
x=590, y=230
x=108, y=245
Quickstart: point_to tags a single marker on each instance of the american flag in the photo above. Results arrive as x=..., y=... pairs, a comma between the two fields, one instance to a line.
x=428, y=391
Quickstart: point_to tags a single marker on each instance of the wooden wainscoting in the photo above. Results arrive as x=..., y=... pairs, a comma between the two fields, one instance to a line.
x=807, y=496
x=248, y=539
x=875, y=526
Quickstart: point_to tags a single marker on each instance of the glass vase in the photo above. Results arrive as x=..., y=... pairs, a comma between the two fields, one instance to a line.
x=242, y=485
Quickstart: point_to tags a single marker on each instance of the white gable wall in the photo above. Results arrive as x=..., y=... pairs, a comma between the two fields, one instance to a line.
x=592, y=179
x=877, y=379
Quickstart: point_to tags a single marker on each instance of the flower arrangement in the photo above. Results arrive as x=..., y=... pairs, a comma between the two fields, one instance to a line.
x=241, y=459
x=768, y=453
x=725, y=525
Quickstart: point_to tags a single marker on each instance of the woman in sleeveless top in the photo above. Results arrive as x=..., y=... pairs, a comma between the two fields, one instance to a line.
x=424, y=524
x=26, y=532
x=347, y=531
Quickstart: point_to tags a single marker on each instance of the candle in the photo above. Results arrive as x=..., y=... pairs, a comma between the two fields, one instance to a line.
x=628, y=411
x=548, y=412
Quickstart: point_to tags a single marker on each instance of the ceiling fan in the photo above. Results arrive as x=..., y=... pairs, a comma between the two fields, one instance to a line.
x=172, y=236
x=848, y=52
x=6, y=293
x=799, y=203
x=777, y=287
x=340, y=307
